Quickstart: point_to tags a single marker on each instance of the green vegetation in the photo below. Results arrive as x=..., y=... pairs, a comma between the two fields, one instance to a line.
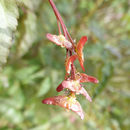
x=35, y=66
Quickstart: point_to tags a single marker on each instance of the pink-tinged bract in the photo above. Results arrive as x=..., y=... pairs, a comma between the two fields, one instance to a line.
x=79, y=50
x=59, y=40
x=67, y=102
x=74, y=86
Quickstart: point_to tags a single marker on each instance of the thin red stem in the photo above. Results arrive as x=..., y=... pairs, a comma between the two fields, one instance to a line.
x=58, y=17
x=72, y=69
x=71, y=40
x=59, y=29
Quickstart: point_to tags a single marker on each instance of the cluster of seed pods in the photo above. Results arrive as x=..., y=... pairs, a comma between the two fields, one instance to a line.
x=73, y=79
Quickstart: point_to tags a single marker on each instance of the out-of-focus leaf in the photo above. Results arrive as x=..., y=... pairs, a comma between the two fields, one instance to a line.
x=17, y=95
x=106, y=74
x=113, y=51
x=97, y=30
x=8, y=111
x=94, y=52
x=30, y=4
x=30, y=34
x=25, y=72
x=42, y=127
x=44, y=88
x=8, y=23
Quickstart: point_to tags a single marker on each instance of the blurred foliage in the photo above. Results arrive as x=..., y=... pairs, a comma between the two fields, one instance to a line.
x=35, y=66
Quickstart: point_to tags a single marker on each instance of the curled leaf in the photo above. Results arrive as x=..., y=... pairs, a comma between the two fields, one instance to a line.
x=69, y=61
x=68, y=102
x=79, y=50
x=59, y=40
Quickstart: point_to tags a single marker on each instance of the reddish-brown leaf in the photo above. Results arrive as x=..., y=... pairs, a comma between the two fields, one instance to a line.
x=79, y=50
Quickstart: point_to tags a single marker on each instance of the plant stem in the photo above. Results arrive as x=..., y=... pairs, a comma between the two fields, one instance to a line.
x=66, y=34
x=72, y=69
x=57, y=14
x=59, y=29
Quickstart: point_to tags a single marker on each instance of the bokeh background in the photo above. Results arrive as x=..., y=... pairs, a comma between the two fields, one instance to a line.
x=32, y=67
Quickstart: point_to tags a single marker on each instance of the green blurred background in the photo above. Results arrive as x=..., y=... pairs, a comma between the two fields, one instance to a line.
x=35, y=66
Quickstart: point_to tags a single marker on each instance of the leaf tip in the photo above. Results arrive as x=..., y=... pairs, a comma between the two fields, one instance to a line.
x=59, y=88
